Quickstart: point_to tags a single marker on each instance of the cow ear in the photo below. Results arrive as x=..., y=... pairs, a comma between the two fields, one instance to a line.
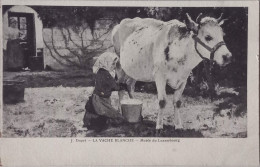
x=192, y=25
x=171, y=33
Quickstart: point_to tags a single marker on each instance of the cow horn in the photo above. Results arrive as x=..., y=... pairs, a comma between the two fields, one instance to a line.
x=197, y=19
x=222, y=21
x=220, y=17
x=189, y=18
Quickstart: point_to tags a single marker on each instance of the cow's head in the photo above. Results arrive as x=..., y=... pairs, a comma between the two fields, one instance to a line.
x=208, y=38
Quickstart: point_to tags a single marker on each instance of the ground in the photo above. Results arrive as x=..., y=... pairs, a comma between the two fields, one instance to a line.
x=54, y=107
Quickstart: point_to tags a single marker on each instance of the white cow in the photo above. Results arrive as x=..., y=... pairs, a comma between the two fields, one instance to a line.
x=166, y=52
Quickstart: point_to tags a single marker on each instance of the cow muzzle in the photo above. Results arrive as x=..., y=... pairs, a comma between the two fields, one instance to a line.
x=223, y=56
x=226, y=58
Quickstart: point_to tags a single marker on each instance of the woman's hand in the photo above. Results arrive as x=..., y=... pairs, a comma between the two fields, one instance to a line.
x=122, y=86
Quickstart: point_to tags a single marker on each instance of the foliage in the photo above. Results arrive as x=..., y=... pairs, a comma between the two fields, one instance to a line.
x=235, y=29
x=72, y=24
x=59, y=16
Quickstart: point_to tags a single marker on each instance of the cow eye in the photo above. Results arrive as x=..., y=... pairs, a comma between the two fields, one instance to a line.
x=208, y=38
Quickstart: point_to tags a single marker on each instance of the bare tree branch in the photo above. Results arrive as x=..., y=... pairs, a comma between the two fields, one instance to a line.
x=70, y=49
x=58, y=54
x=82, y=52
x=83, y=49
x=53, y=55
x=105, y=33
x=98, y=51
x=102, y=44
x=69, y=35
x=81, y=37
x=98, y=39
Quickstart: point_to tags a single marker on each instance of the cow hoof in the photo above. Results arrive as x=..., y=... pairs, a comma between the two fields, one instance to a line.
x=158, y=132
x=178, y=127
x=120, y=110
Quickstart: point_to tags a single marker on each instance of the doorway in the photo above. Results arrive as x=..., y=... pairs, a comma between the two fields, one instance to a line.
x=26, y=25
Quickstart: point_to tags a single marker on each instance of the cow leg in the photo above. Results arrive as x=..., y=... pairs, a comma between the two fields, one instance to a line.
x=160, y=85
x=176, y=97
x=131, y=87
x=120, y=97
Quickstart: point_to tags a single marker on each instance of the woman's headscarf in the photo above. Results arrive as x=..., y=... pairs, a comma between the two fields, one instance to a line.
x=12, y=21
x=106, y=61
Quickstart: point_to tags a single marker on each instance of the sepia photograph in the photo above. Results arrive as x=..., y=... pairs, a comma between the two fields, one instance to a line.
x=131, y=73
x=76, y=71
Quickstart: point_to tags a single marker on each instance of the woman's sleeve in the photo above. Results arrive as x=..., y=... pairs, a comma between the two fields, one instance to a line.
x=114, y=85
x=111, y=81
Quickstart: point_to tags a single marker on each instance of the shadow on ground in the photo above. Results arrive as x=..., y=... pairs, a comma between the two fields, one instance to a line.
x=144, y=129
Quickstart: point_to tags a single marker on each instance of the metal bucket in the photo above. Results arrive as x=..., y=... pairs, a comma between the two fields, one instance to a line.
x=132, y=110
x=13, y=91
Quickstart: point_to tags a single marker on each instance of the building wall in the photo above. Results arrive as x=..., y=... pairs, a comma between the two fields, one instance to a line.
x=38, y=24
x=56, y=58
x=58, y=44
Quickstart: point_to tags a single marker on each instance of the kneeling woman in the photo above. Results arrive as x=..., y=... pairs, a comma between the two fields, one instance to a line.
x=99, y=111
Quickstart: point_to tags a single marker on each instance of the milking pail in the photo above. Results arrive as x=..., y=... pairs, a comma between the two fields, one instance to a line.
x=132, y=110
